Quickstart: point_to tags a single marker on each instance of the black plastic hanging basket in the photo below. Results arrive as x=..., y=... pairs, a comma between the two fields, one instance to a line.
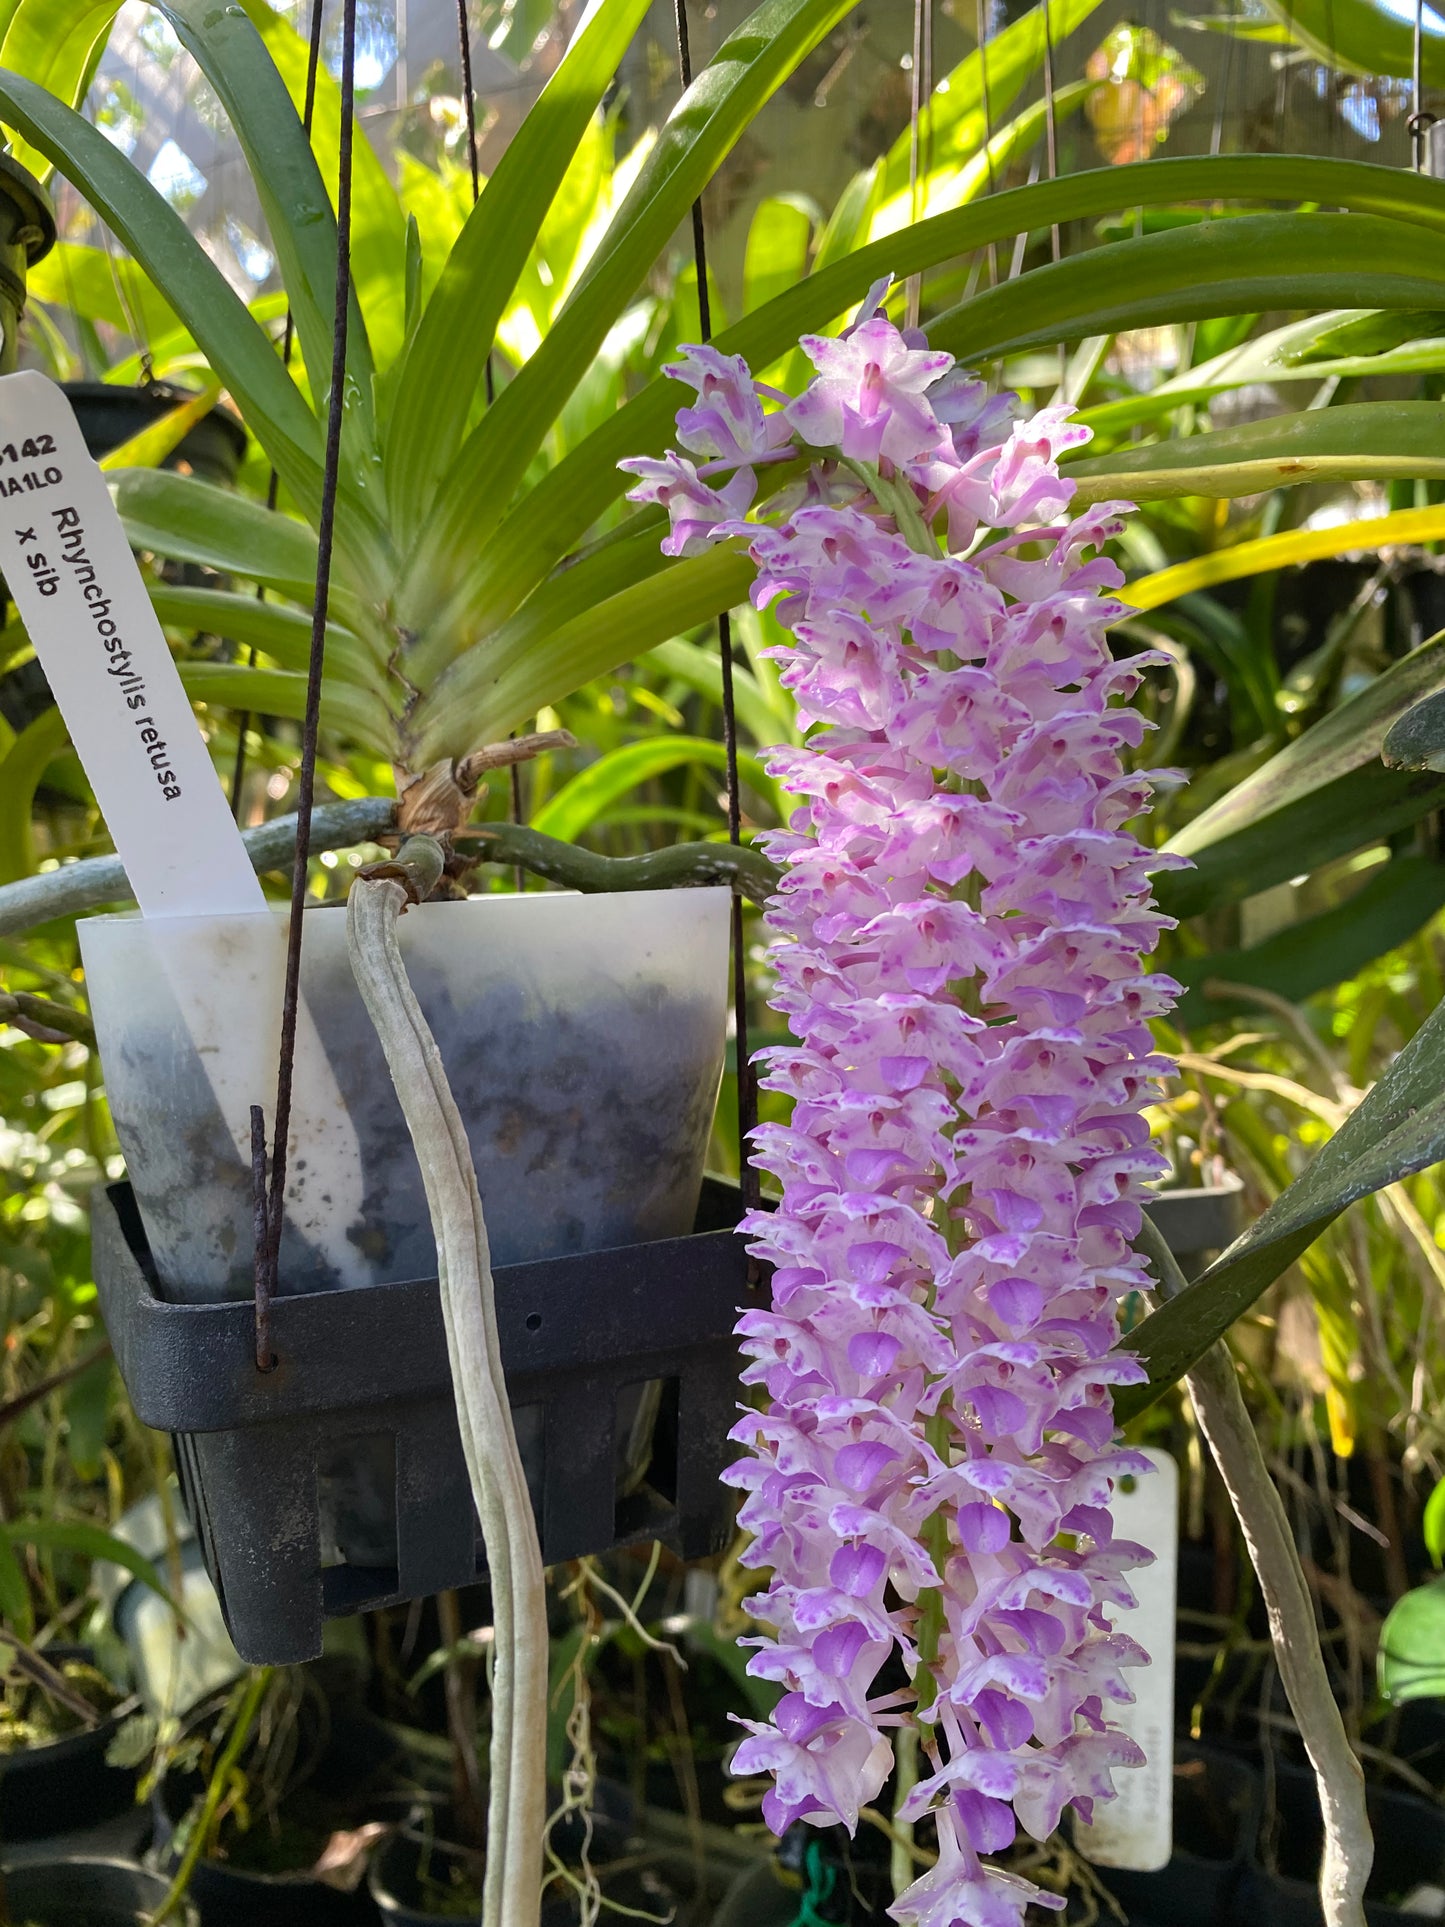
x=361, y=1396
x=361, y=1392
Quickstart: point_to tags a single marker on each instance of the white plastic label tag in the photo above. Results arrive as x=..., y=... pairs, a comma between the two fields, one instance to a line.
x=1135, y=1830
x=65, y=558
x=69, y=569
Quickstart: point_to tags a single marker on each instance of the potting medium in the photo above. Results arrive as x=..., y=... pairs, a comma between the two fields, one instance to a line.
x=582, y=1038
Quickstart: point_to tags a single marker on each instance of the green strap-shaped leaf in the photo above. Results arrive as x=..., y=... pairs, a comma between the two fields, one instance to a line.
x=749, y=67
x=90, y=1542
x=1323, y=795
x=592, y=792
x=194, y=521
x=1375, y=440
x=1398, y=1129
x=150, y=445
x=952, y=125
x=357, y=715
x=628, y=555
x=568, y=500
x=1432, y=1525
x=699, y=665
x=1241, y=266
x=444, y=362
x=1397, y=899
x=1362, y=37
x=237, y=349
x=1412, y=345
x=776, y=256
x=21, y=768
x=493, y=688
x=57, y=44
x=176, y=351
x=965, y=178
x=299, y=215
x=1285, y=551
x=282, y=633
x=378, y=223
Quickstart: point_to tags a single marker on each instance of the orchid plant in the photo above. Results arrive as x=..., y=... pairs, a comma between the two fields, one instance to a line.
x=959, y=945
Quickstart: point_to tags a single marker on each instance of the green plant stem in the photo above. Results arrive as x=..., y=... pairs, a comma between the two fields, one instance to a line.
x=335, y=826
x=678, y=866
x=102, y=879
x=898, y=500
x=939, y=1434
x=901, y=1869
x=1230, y=1435
x=47, y=1022
x=245, y=1719
x=516, y=1816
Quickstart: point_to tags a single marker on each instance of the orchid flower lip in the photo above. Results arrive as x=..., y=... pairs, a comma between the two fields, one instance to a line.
x=958, y=947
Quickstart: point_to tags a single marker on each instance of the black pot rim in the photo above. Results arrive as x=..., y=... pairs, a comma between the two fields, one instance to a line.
x=67, y=1745
x=165, y=392
x=19, y=185
x=17, y=1871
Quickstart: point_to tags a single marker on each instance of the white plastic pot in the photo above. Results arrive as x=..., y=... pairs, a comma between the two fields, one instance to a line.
x=582, y=1037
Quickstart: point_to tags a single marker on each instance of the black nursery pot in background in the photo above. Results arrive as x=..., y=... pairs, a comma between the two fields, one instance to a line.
x=27, y=234
x=212, y=449
x=349, y=1769
x=82, y=1892
x=1409, y=1854
x=65, y=1784
x=1216, y=1815
x=420, y=1877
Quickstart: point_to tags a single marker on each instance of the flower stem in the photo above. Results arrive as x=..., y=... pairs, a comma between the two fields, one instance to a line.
x=938, y=1431
x=901, y=1869
x=898, y=500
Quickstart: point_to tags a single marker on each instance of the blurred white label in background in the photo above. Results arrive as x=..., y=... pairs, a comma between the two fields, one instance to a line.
x=1135, y=1831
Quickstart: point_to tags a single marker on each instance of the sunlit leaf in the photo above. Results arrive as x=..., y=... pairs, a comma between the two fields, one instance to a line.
x=1366, y=537
x=1432, y=1524
x=1412, y=1646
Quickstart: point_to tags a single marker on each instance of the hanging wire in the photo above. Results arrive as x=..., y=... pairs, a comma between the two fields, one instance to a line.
x=1021, y=241
x=1419, y=123
x=268, y=1249
x=1051, y=155
x=1216, y=134
x=469, y=107
x=469, y=99
x=1051, y=117
x=981, y=30
x=288, y=340
x=747, y=1082
x=132, y=313
x=919, y=157
x=132, y=310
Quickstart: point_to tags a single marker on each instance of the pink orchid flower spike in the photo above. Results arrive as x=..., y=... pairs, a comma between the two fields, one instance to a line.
x=959, y=947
